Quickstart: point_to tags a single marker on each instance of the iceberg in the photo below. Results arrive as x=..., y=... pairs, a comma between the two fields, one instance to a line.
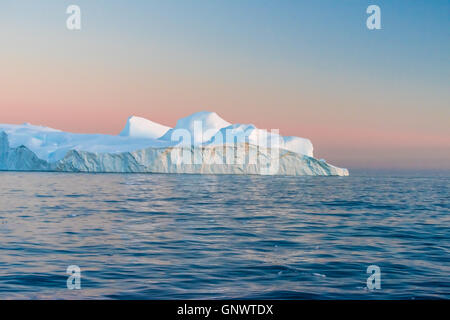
x=202, y=143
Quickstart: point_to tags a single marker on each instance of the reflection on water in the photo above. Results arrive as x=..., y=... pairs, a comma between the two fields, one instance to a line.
x=191, y=236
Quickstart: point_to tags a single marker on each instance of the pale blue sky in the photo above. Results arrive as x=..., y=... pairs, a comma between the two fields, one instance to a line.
x=308, y=68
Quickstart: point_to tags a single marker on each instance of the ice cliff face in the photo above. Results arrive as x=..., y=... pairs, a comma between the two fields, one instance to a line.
x=20, y=158
x=201, y=143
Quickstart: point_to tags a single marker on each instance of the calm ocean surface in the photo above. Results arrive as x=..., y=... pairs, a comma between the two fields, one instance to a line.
x=194, y=237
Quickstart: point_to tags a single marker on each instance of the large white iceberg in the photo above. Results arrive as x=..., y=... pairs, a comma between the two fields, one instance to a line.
x=200, y=143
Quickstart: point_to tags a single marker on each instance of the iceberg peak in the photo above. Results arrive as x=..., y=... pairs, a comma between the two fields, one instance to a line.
x=202, y=126
x=138, y=127
x=210, y=120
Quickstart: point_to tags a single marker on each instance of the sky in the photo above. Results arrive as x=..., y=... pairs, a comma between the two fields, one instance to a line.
x=365, y=98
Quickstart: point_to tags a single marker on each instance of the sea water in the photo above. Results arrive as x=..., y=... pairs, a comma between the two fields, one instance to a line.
x=161, y=236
